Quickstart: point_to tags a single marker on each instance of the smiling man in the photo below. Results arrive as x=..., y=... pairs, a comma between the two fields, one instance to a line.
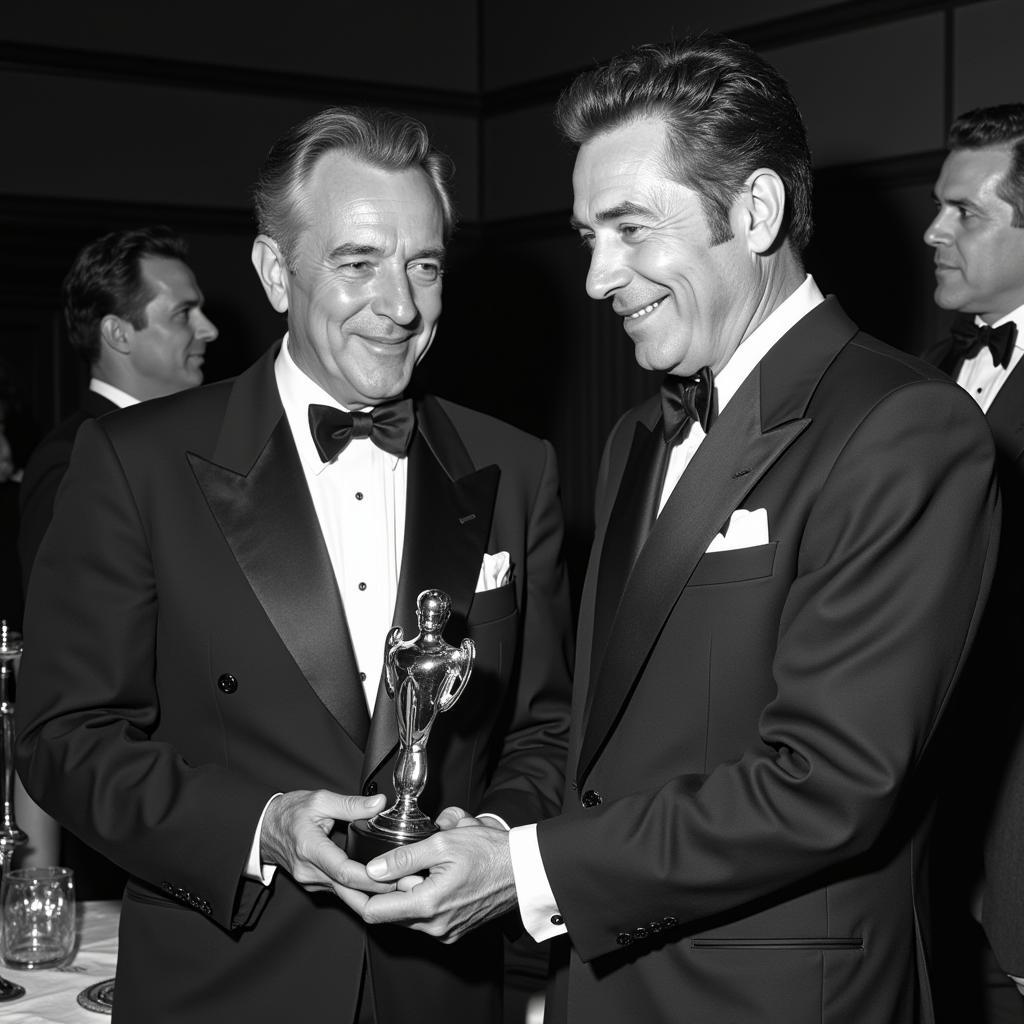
x=211, y=718
x=978, y=238
x=792, y=545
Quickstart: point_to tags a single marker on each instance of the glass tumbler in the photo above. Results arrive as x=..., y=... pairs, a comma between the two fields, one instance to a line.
x=38, y=907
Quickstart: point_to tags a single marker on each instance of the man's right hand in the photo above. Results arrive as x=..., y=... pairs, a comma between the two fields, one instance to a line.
x=295, y=837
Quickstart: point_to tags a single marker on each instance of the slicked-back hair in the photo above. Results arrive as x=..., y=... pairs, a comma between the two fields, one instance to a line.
x=381, y=138
x=727, y=112
x=106, y=279
x=996, y=126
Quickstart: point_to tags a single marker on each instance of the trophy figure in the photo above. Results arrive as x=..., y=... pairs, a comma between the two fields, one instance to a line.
x=11, y=836
x=424, y=677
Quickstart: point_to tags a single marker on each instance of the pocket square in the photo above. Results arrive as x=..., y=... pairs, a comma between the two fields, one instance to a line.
x=745, y=529
x=494, y=572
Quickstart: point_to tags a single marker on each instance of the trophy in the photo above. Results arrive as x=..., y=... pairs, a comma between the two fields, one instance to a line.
x=424, y=677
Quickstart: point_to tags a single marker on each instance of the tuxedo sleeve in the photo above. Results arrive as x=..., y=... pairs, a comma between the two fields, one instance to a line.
x=88, y=710
x=894, y=560
x=43, y=475
x=529, y=776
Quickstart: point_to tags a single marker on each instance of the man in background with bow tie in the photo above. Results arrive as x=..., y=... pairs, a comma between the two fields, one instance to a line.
x=793, y=544
x=200, y=697
x=978, y=238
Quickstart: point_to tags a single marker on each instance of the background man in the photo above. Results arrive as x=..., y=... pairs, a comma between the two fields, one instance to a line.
x=246, y=548
x=134, y=314
x=978, y=238
x=758, y=675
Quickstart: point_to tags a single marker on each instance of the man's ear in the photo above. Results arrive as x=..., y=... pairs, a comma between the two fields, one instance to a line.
x=116, y=334
x=271, y=270
x=763, y=201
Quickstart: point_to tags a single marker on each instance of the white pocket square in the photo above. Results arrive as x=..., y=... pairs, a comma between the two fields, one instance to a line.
x=494, y=572
x=745, y=529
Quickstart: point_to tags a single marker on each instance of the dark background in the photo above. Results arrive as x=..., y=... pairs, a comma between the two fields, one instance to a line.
x=122, y=114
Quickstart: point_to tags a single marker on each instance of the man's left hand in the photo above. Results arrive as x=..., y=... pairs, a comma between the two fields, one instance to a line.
x=470, y=879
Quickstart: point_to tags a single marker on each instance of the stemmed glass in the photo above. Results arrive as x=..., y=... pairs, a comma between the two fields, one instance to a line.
x=11, y=837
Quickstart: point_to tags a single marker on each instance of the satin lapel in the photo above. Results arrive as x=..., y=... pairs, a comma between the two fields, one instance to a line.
x=257, y=493
x=731, y=460
x=1006, y=415
x=449, y=507
x=629, y=523
x=765, y=416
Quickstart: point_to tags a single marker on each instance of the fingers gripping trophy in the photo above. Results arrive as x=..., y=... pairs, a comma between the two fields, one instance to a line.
x=424, y=676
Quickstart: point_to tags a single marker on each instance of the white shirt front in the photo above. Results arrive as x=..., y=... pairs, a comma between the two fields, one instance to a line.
x=979, y=376
x=359, y=498
x=537, y=905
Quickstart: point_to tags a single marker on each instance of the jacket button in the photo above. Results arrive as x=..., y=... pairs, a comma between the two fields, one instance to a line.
x=640, y=932
x=370, y=788
x=669, y=922
x=591, y=798
x=624, y=938
x=227, y=683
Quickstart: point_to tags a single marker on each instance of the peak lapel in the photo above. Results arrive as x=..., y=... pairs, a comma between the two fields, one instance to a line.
x=765, y=416
x=449, y=507
x=257, y=493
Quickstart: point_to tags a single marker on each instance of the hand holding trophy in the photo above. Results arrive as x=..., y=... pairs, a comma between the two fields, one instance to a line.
x=424, y=676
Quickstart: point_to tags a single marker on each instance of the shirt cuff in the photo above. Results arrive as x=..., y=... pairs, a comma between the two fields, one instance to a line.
x=494, y=817
x=254, y=867
x=1019, y=982
x=537, y=905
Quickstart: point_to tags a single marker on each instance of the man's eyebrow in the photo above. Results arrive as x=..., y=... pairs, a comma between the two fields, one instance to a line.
x=431, y=253
x=354, y=249
x=624, y=209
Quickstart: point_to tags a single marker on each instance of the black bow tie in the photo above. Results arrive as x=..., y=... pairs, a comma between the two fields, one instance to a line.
x=684, y=399
x=969, y=339
x=388, y=426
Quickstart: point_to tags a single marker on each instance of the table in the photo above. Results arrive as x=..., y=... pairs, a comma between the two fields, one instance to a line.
x=51, y=997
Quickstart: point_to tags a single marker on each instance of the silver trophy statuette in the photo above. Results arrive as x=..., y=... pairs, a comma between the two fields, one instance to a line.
x=424, y=677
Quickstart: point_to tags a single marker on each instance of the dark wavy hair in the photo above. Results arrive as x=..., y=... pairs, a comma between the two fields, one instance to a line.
x=727, y=112
x=106, y=278
x=996, y=126
x=381, y=138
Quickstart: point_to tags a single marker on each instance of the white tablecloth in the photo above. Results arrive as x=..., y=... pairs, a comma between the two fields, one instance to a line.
x=51, y=997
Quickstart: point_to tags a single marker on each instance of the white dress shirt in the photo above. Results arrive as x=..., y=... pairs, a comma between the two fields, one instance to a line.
x=979, y=376
x=359, y=498
x=120, y=398
x=537, y=905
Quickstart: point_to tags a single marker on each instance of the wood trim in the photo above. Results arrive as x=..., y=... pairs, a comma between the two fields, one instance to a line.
x=55, y=60
x=765, y=35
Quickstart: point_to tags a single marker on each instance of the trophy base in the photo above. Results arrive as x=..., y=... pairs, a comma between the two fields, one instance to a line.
x=366, y=841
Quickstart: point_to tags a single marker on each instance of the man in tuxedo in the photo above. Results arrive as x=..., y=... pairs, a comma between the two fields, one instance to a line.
x=978, y=238
x=200, y=692
x=793, y=544
x=134, y=315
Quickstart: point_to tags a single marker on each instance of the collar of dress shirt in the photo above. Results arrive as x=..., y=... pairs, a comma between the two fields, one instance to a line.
x=754, y=347
x=120, y=398
x=298, y=392
x=1017, y=316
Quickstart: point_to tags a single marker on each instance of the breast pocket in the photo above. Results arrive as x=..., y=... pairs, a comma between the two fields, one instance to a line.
x=491, y=605
x=734, y=566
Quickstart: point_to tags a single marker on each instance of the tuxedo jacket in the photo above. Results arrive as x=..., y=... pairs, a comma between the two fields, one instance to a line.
x=984, y=800
x=742, y=837
x=43, y=473
x=187, y=656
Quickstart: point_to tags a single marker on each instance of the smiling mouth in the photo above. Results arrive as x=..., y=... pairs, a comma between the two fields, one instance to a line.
x=644, y=311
